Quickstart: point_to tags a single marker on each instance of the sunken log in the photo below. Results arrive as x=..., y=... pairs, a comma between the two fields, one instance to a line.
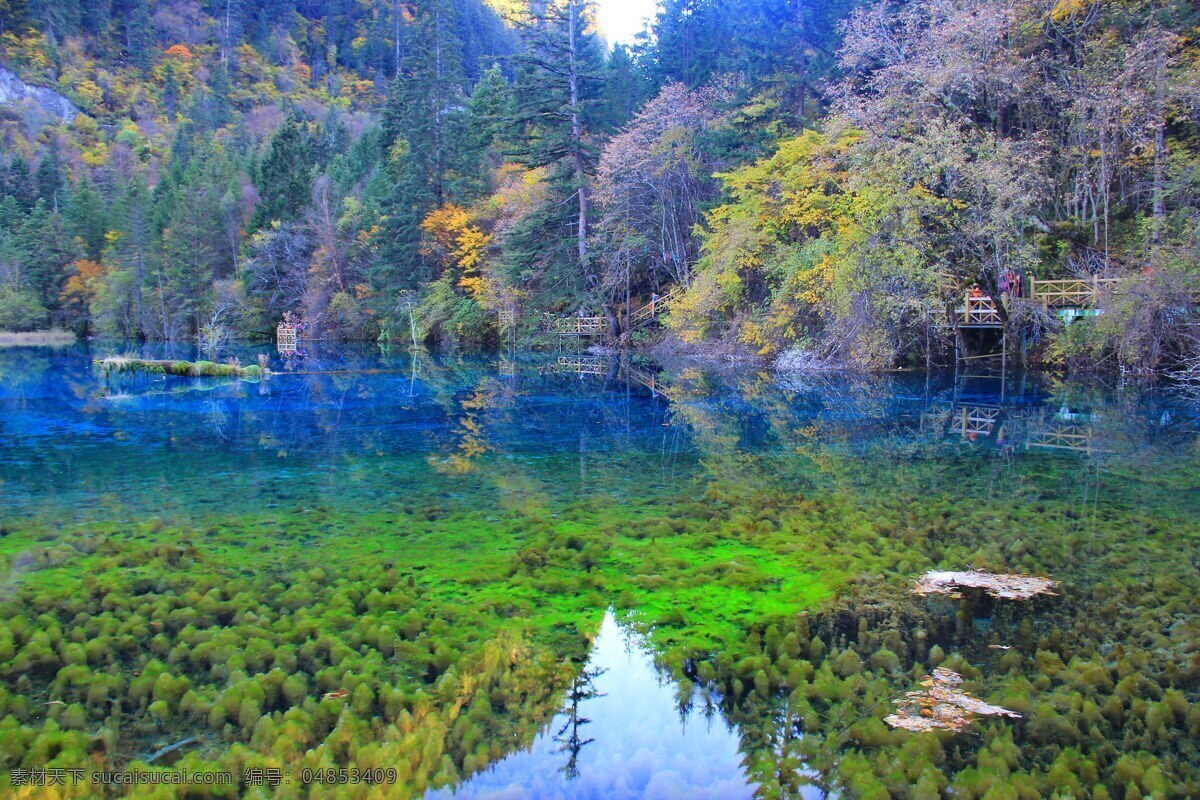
x=1005, y=587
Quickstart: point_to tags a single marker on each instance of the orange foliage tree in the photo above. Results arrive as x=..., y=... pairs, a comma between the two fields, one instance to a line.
x=456, y=243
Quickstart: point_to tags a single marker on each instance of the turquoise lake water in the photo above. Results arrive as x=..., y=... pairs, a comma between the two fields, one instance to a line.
x=647, y=536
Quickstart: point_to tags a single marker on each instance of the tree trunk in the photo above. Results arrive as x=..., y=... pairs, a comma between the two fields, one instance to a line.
x=225, y=39
x=1160, y=141
x=395, y=14
x=577, y=140
x=439, y=107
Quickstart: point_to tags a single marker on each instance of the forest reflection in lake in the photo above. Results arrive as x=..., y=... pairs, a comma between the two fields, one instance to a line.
x=621, y=733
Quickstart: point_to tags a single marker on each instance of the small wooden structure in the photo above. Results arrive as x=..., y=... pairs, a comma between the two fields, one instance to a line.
x=579, y=326
x=1032, y=428
x=286, y=337
x=1079, y=438
x=975, y=421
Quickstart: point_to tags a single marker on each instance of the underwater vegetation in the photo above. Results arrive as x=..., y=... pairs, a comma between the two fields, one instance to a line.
x=311, y=670
x=385, y=612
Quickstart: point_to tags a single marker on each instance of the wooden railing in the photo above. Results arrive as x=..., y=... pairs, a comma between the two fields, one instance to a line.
x=579, y=326
x=974, y=421
x=980, y=310
x=652, y=382
x=596, y=326
x=584, y=365
x=1068, y=437
x=1069, y=293
x=659, y=304
x=1035, y=427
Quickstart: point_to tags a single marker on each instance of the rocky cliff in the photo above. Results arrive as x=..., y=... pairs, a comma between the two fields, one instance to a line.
x=16, y=92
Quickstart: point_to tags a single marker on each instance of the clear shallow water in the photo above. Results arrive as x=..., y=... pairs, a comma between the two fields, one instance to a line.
x=515, y=498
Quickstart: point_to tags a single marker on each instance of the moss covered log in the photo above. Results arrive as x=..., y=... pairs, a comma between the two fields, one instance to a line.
x=184, y=369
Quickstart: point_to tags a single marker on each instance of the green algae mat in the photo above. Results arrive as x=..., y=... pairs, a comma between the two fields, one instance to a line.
x=408, y=576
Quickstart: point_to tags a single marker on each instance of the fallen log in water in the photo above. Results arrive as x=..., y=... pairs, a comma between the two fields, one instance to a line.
x=942, y=705
x=1008, y=587
x=186, y=369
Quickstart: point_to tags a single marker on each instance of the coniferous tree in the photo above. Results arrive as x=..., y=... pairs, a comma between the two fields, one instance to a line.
x=19, y=183
x=422, y=127
x=620, y=95
x=49, y=178
x=425, y=105
x=284, y=176
x=47, y=251
x=87, y=219
x=139, y=33
x=489, y=123
x=557, y=92
x=57, y=18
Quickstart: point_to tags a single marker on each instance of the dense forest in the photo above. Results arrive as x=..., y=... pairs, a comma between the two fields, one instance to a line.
x=826, y=177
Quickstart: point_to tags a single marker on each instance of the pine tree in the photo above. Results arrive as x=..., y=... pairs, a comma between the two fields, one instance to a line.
x=49, y=178
x=134, y=255
x=97, y=17
x=19, y=184
x=57, y=18
x=425, y=104
x=139, y=33
x=556, y=99
x=422, y=129
x=488, y=129
x=620, y=94
x=47, y=251
x=87, y=219
x=284, y=176
x=170, y=90
x=215, y=102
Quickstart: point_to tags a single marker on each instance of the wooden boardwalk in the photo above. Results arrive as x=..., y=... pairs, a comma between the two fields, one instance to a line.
x=1071, y=292
x=658, y=305
x=1083, y=296
x=582, y=365
x=643, y=317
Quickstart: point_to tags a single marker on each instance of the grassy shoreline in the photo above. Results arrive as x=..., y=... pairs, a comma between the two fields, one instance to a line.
x=55, y=337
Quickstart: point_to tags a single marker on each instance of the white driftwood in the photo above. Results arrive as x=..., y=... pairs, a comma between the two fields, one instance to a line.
x=1008, y=587
x=941, y=705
